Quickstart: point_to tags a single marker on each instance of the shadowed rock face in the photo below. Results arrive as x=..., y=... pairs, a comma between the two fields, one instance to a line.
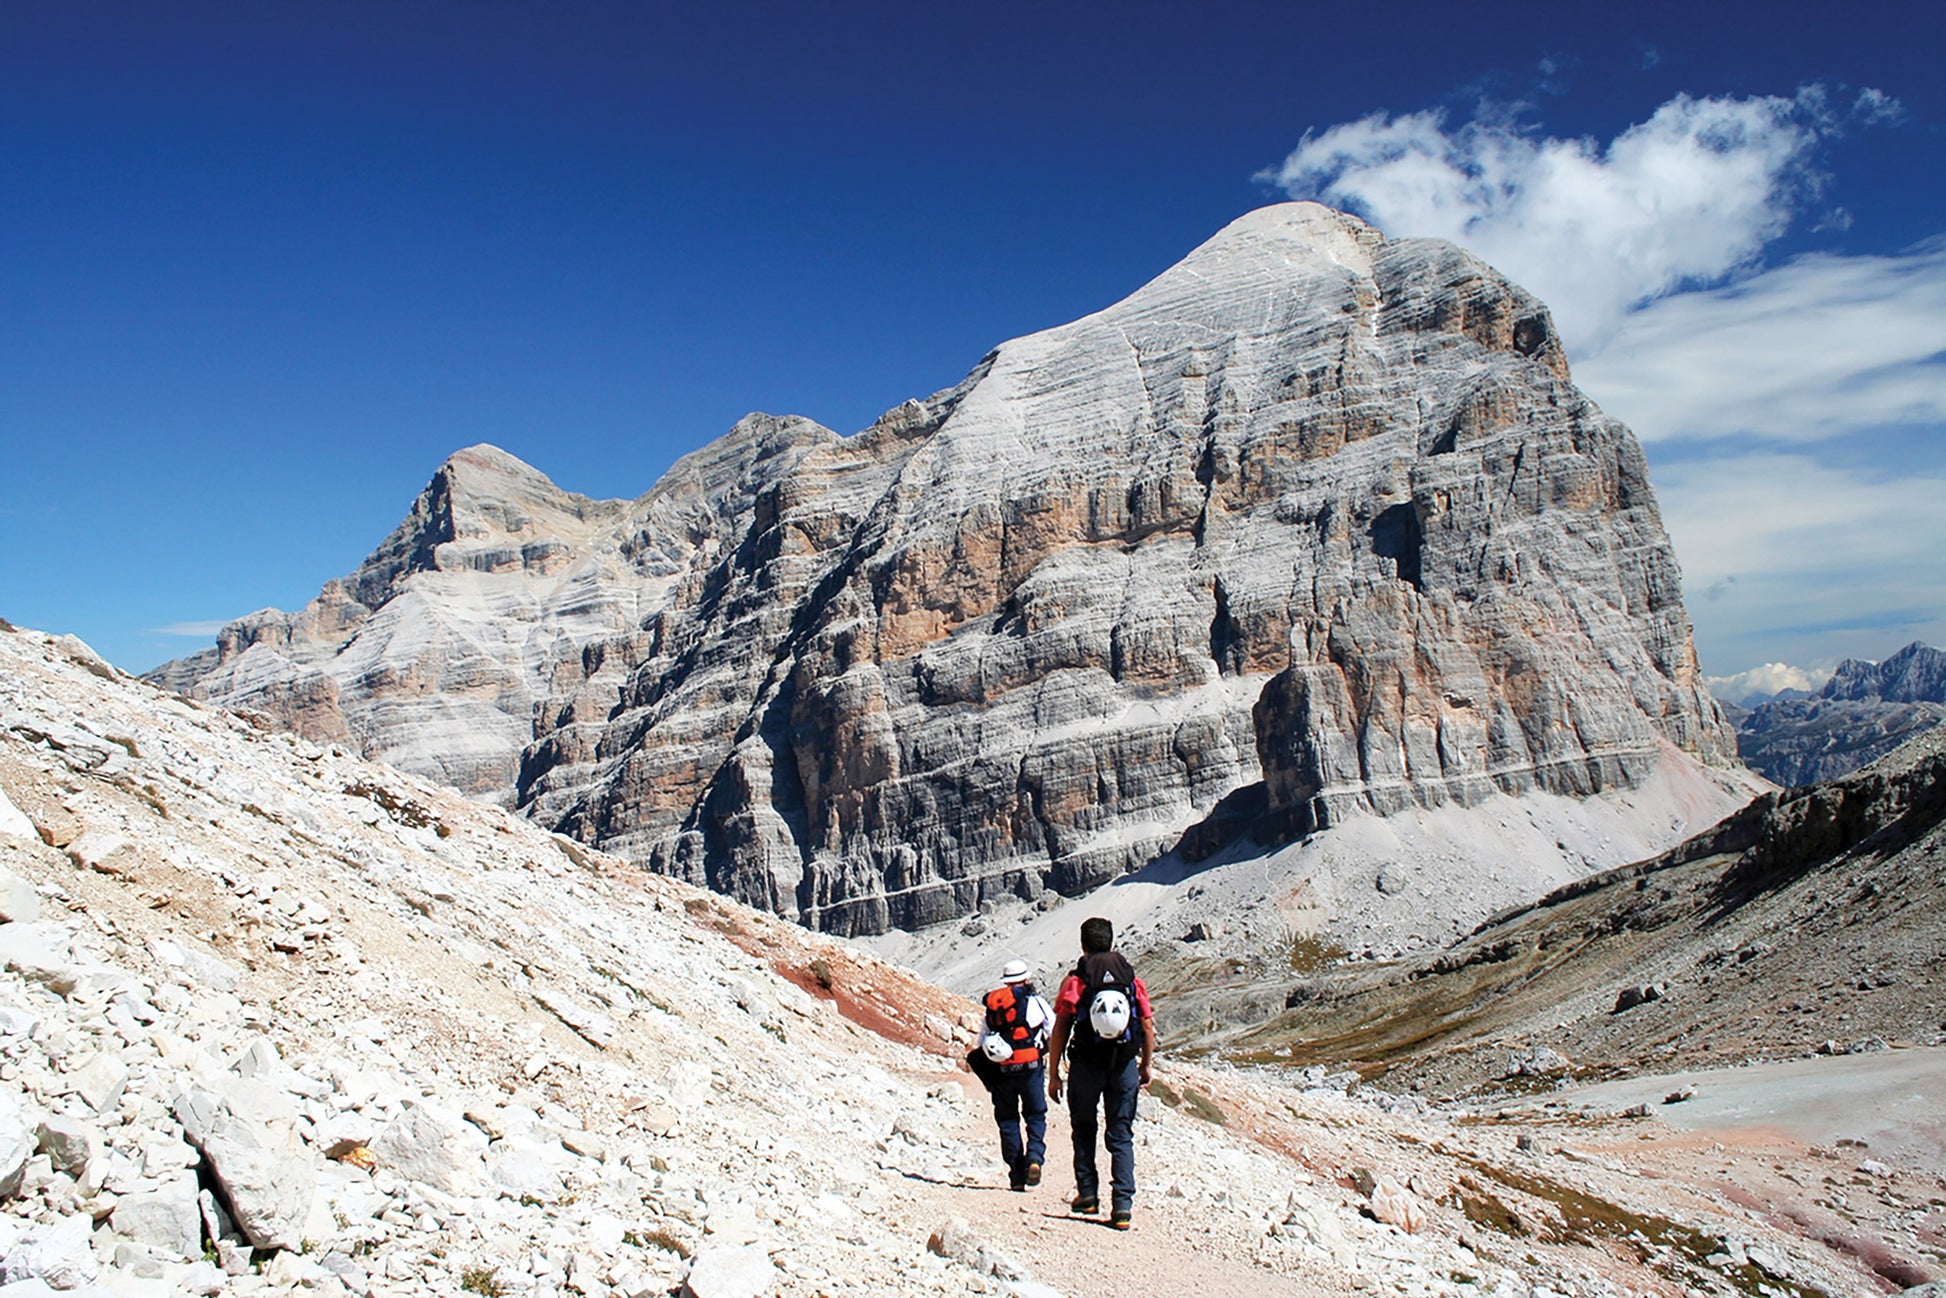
x=1314, y=513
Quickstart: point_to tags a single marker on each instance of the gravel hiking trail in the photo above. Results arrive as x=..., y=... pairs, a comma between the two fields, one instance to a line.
x=1170, y=1252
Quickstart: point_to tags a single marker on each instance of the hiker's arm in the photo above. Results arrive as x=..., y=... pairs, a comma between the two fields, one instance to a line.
x=1148, y=1050
x=1057, y=1046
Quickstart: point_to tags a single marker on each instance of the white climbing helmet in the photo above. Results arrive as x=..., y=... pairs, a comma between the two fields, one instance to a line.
x=1108, y=1013
x=995, y=1047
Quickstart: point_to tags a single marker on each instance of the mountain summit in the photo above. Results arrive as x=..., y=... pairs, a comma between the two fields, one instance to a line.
x=1313, y=524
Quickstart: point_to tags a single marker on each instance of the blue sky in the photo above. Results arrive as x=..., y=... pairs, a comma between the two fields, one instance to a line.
x=263, y=267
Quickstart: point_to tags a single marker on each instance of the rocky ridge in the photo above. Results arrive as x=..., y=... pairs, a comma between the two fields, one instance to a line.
x=1315, y=524
x=1863, y=712
x=276, y=1020
x=435, y=653
x=1812, y=922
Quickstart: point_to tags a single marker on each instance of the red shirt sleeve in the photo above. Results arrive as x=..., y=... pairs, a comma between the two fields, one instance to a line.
x=1141, y=999
x=1069, y=999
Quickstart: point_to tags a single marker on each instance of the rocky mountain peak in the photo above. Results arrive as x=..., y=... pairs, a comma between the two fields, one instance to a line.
x=1864, y=711
x=1915, y=674
x=1313, y=525
x=486, y=511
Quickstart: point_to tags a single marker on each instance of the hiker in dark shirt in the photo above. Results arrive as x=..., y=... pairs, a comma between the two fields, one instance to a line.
x=1103, y=1023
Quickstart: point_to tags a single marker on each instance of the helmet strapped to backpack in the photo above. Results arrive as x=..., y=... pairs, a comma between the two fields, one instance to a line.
x=1108, y=1014
x=1015, y=1027
x=1105, y=1025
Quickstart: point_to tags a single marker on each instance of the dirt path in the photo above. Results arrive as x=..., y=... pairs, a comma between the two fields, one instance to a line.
x=1169, y=1253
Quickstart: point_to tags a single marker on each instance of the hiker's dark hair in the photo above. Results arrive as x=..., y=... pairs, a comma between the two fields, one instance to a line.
x=1097, y=935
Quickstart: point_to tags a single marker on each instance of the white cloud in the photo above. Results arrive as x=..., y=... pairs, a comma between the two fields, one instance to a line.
x=1817, y=348
x=1797, y=547
x=193, y=630
x=1764, y=681
x=1784, y=556
x=1689, y=196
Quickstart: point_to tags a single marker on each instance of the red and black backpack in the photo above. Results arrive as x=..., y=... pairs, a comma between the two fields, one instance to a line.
x=1007, y=1018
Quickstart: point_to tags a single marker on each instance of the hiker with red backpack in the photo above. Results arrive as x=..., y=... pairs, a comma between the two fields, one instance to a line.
x=1103, y=1023
x=1010, y=1059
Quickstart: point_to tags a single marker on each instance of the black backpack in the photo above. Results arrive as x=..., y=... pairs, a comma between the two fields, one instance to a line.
x=1105, y=974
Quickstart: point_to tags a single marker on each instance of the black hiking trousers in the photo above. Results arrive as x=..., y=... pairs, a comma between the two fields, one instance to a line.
x=1113, y=1089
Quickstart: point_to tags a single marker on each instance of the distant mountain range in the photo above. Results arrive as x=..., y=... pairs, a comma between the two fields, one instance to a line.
x=1863, y=712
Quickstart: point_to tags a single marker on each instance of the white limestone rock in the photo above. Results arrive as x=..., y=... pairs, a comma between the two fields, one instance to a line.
x=19, y=1137
x=248, y=1132
x=167, y=1221
x=19, y=903
x=520, y=1167
x=69, y=1143
x=59, y=1254
x=37, y=951
x=99, y=1082
x=430, y=1143
x=13, y=824
x=745, y=1271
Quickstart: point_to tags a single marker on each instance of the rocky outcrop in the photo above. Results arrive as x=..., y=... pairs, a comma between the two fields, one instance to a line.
x=1810, y=913
x=1314, y=523
x=435, y=653
x=1864, y=711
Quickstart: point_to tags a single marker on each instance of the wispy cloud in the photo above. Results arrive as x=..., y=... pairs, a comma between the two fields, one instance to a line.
x=1783, y=404
x=1818, y=348
x=1686, y=197
x=1789, y=556
x=191, y=630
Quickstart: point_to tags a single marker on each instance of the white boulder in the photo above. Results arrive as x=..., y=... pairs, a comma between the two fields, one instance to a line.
x=167, y=1221
x=248, y=1132
x=19, y=1137
x=434, y=1145
x=743, y=1272
x=59, y=1254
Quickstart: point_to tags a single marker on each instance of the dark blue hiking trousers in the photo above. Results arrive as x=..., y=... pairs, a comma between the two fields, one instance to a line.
x=1020, y=1100
x=1115, y=1090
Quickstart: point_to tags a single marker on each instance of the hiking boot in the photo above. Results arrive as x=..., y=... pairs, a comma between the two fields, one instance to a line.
x=1017, y=1186
x=1120, y=1219
x=1083, y=1204
x=1033, y=1176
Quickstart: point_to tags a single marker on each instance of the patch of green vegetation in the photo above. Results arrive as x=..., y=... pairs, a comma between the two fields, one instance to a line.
x=821, y=971
x=482, y=1280
x=1312, y=954
x=1585, y=1217
x=1199, y=1105
x=657, y=1238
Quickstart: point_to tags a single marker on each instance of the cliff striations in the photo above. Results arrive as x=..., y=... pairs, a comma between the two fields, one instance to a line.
x=1313, y=524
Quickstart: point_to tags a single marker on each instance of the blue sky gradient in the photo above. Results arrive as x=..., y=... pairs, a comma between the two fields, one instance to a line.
x=264, y=267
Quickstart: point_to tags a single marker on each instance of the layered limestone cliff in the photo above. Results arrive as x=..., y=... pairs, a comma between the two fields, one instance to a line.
x=1314, y=523
x=434, y=655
